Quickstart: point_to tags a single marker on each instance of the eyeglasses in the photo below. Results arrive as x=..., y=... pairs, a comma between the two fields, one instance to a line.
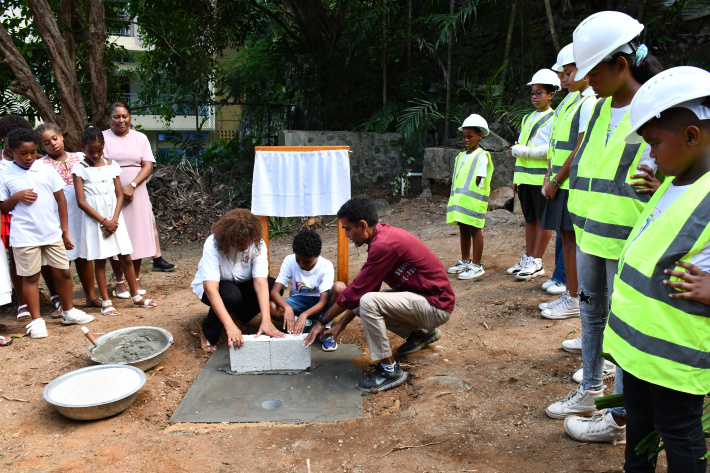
x=537, y=94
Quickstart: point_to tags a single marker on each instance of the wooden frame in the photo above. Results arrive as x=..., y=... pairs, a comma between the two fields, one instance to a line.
x=343, y=252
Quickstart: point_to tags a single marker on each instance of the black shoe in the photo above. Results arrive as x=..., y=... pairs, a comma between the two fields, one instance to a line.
x=162, y=266
x=382, y=380
x=418, y=340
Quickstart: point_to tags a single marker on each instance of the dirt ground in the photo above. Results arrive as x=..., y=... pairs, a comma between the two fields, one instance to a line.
x=473, y=402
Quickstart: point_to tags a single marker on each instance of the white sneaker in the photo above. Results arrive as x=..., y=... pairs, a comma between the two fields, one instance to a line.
x=76, y=316
x=553, y=303
x=547, y=284
x=37, y=328
x=517, y=266
x=608, y=371
x=556, y=288
x=474, y=271
x=573, y=346
x=601, y=427
x=531, y=269
x=578, y=402
x=460, y=267
x=567, y=308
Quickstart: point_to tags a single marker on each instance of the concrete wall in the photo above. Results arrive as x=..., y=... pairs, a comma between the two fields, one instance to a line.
x=375, y=157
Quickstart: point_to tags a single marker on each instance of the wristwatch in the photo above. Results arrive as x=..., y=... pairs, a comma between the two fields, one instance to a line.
x=133, y=184
x=555, y=183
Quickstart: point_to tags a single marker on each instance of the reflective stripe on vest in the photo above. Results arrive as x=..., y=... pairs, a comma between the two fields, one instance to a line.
x=531, y=170
x=604, y=204
x=467, y=202
x=564, y=136
x=654, y=337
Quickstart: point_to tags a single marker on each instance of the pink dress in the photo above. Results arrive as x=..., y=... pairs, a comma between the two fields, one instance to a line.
x=128, y=151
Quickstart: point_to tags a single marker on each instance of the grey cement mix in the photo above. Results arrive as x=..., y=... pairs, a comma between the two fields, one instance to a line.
x=325, y=393
x=130, y=347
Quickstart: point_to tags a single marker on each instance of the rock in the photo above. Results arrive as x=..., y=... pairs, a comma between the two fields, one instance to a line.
x=426, y=193
x=493, y=142
x=501, y=198
x=383, y=207
x=503, y=169
x=498, y=217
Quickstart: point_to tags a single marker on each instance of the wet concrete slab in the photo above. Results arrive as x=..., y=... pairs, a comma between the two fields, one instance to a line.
x=325, y=393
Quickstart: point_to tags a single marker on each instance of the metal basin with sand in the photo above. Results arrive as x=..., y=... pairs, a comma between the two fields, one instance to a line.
x=95, y=392
x=142, y=347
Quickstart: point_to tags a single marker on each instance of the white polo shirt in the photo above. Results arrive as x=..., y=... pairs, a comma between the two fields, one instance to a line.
x=215, y=266
x=35, y=224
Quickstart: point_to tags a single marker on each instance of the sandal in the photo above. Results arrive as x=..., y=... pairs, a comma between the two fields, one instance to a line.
x=140, y=291
x=93, y=303
x=144, y=303
x=57, y=312
x=108, y=309
x=4, y=342
x=22, y=313
x=122, y=295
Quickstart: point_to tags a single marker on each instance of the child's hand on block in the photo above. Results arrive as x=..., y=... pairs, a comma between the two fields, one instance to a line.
x=300, y=325
x=695, y=283
x=27, y=196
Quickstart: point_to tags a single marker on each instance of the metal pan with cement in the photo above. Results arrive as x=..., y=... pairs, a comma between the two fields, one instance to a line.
x=142, y=347
x=95, y=392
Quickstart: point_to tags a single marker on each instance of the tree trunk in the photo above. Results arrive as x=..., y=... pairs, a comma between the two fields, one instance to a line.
x=551, y=23
x=508, y=44
x=384, y=54
x=449, y=59
x=97, y=69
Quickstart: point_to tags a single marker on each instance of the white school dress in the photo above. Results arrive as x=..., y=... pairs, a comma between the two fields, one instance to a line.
x=100, y=193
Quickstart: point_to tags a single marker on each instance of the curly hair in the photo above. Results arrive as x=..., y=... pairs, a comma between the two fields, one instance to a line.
x=307, y=243
x=53, y=127
x=21, y=135
x=235, y=230
x=10, y=122
x=358, y=209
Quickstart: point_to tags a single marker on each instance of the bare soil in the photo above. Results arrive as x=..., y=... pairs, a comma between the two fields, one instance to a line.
x=474, y=402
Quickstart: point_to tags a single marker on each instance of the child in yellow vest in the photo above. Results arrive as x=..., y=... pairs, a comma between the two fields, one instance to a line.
x=468, y=203
x=659, y=335
x=530, y=169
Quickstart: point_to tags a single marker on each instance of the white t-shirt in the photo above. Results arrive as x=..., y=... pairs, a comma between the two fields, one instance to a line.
x=5, y=163
x=34, y=224
x=587, y=109
x=617, y=114
x=306, y=283
x=542, y=136
x=702, y=258
x=215, y=266
x=481, y=168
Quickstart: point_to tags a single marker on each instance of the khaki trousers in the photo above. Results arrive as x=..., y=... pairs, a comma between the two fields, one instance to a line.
x=398, y=312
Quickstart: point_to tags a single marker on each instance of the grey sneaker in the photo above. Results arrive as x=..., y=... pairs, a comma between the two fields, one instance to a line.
x=460, y=267
x=552, y=303
x=601, y=427
x=573, y=346
x=473, y=271
x=567, y=308
x=382, y=380
x=556, y=288
x=418, y=340
x=579, y=401
x=608, y=371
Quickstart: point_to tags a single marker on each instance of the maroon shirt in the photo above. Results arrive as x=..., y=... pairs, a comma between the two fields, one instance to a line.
x=401, y=260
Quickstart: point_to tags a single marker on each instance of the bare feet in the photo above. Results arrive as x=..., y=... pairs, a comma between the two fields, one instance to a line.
x=205, y=344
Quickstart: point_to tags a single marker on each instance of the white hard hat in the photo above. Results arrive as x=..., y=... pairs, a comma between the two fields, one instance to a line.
x=676, y=87
x=545, y=76
x=601, y=35
x=476, y=121
x=564, y=57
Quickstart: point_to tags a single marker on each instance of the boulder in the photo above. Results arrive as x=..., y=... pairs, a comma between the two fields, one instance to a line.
x=498, y=217
x=501, y=198
x=383, y=207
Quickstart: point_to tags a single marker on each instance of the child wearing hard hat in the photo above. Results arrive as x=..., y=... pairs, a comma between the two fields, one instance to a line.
x=568, y=128
x=606, y=197
x=468, y=204
x=659, y=325
x=530, y=168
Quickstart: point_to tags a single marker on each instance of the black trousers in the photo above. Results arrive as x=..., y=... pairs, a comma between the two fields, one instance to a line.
x=676, y=416
x=239, y=299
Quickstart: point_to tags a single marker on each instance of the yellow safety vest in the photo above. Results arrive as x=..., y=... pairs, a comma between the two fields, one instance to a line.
x=468, y=203
x=565, y=131
x=531, y=170
x=661, y=340
x=602, y=203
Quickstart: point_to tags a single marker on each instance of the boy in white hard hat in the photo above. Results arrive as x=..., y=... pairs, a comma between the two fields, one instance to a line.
x=468, y=203
x=659, y=325
x=530, y=169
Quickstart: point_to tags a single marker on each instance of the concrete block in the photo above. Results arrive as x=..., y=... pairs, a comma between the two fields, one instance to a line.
x=289, y=354
x=265, y=354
